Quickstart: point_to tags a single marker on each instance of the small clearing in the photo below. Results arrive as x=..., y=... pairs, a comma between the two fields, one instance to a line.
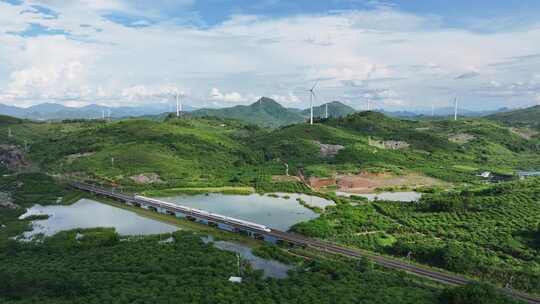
x=6, y=201
x=524, y=133
x=13, y=158
x=71, y=158
x=327, y=150
x=285, y=178
x=461, y=138
x=367, y=182
x=389, y=144
x=146, y=179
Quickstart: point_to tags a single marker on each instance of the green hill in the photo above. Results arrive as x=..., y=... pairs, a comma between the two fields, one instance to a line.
x=529, y=117
x=8, y=120
x=335, y=109
x=453, y=151
x=264, y=112
x=210, y=151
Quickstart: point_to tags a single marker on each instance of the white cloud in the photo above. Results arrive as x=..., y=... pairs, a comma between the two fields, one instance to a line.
x=288, y=100
x=376, y=52
x=231, y=97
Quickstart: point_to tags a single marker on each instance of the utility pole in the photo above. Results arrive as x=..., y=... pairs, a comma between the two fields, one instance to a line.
x=25, y=146
x=238, y=263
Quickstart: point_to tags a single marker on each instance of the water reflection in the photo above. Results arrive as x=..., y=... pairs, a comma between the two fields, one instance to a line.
x=280, y=212
x=270, y=268
x=90, y=214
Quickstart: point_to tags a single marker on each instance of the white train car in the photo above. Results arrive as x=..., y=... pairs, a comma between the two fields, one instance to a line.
x=204, y=213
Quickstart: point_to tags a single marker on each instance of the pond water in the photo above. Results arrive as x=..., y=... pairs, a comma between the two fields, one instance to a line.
x=270, y=268
x=275, y=212
x=90, y=214
x=409, y=196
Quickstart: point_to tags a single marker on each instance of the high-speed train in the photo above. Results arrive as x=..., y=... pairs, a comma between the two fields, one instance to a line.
x=196, y=211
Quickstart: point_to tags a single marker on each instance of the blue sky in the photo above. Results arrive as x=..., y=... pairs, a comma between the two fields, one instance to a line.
x=399, y=54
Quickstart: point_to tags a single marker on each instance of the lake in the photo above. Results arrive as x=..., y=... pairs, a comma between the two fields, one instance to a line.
x=276, y=212
x=90, y=214
x=270, y=268
x=408, y=196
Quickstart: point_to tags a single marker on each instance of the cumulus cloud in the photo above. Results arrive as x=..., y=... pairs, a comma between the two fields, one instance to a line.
x=288, y=100
x=383, y=53
x=231, y=97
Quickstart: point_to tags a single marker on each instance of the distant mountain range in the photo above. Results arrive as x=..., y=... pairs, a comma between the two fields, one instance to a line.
x=54, y=111
x=265, y=112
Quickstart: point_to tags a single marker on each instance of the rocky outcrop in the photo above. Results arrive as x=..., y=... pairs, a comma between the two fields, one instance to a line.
x=461, y=138
x=389, y=144
x=327, y=150
x=12, y=157
x=146, y=178
x=6, y=201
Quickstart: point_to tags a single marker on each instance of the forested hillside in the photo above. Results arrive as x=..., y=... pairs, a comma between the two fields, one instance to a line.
x=528, y=117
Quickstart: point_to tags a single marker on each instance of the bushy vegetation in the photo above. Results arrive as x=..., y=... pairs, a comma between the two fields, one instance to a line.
x=473, y=294
x=488, y=232
x=101, y=268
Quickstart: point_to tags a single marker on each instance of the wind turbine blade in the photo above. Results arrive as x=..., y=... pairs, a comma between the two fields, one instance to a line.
x=315, y=85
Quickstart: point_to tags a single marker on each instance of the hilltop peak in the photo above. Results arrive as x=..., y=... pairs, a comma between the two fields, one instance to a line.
x=267, y=102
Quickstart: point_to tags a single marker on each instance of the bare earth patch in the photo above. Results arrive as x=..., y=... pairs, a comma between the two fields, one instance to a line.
x=146, y=178
x=461, y=138
x=389, y=144
x=524, y=133
x=6, y=201
x=285, y=178
x=73, y=157
x=367, y=182
x=13, y=158
x=327, y=150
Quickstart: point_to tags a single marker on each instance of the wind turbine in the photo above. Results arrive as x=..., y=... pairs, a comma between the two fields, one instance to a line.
x=312, y=96
x=326, y=110
x=178, y=103
x=455, y=108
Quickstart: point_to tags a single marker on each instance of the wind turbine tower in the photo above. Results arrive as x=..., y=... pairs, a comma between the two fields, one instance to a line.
x=326, y=111
x=455, y=108
x=178, y=103
x=311, y=97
